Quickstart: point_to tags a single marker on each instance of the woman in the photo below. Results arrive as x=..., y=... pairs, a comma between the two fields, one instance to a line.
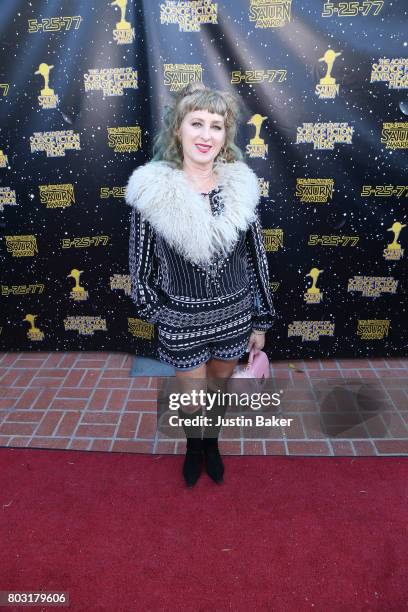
x=197, y=262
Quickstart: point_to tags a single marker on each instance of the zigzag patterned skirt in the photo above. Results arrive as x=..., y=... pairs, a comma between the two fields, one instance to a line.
x=191, y=331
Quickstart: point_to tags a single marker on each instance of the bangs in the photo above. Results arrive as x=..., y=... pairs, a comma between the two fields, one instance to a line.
x=205, y=100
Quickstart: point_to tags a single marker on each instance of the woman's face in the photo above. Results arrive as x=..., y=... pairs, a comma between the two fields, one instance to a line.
x=200, y=127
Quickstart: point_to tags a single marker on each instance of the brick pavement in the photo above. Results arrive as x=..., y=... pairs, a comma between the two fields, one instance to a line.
x=88, y=401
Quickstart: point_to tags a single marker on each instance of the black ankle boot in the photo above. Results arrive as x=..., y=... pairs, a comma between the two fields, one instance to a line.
x=213, y=462
x=193, y=461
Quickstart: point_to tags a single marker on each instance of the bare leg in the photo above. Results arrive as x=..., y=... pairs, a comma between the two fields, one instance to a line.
x=216, y=368
x=186, y=383
x=218, y=373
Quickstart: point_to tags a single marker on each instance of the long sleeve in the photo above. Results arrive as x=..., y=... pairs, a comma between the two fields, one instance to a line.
x=143, y=269
x=258, y=273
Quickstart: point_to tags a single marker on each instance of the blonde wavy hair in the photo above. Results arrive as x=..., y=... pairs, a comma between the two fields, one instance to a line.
x=196, y=96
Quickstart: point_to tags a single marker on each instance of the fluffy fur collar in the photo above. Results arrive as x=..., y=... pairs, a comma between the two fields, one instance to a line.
x=166, y=199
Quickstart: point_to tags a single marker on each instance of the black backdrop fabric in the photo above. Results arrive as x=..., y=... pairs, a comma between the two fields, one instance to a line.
x=323, y=90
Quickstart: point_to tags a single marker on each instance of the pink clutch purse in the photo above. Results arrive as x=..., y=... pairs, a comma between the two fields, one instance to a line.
x=257, y=367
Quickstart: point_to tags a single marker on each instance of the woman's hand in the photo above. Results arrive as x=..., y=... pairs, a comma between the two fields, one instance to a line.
x=256, y=341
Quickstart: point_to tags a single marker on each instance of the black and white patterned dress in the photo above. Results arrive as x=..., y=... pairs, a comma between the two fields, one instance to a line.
x=200, y=311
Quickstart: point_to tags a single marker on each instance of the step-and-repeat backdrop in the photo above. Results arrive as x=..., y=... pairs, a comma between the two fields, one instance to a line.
x=323, y=87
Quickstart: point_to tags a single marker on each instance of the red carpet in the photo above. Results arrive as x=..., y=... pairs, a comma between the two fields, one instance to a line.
x=120, y=532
